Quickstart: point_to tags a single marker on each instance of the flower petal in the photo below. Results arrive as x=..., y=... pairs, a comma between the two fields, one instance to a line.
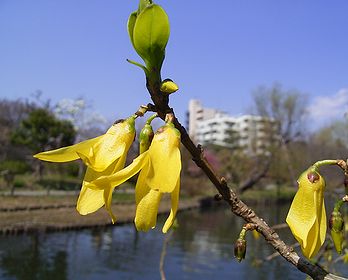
x=68, y=153
x=317, y=234
x=116, y=141
x=90, y=200
x=102, y=154
x=302, y=215
x=174, y=201
x=121, y=176
x=323, y=224
x=146, y=212
x=108, y=203
x=165, y=161
x=141, y=188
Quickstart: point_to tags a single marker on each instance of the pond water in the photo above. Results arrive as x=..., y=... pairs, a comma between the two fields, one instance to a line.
x=201, y=248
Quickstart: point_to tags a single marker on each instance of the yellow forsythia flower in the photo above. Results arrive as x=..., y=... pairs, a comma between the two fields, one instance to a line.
x=103, y=155
x=307, y=216
x=160, y=173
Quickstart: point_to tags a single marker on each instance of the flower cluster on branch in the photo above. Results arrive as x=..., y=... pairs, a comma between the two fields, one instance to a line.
x=159, y=161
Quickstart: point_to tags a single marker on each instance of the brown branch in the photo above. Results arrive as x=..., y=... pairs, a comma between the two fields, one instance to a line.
x=238, y=207
x=276, y=254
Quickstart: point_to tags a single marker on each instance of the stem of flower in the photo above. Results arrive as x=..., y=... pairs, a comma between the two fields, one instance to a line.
x=324, y=162
x=242, y=233
x=169, y=118
x=150, y=119
x=340, y=202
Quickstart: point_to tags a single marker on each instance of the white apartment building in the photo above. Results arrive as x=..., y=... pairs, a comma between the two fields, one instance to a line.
x=196, y=114
x=247, y=133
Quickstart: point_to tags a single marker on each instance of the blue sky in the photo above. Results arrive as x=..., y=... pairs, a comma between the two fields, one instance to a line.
x=219, y=52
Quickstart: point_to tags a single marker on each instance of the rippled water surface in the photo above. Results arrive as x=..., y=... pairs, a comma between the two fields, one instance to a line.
x=201, y=248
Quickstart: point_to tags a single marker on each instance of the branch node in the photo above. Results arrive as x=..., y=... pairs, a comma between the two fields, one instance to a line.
x=141, y=111
x=218, y=197
x=151, y=107
x=198, y=157
x=223, y=181
x=200, y=148
x=250, y=226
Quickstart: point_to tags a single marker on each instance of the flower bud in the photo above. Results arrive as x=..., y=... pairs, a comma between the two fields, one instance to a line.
x=168, y=86
x=336, y=225
x=240, y=249
x=145, y=138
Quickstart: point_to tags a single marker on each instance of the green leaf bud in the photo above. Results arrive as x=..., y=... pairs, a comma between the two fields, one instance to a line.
x=130, y=25
x=143, y=4
x=168, y=86
x=150, y=36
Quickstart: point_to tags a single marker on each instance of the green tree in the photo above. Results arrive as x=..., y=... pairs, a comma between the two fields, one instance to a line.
x=41, y=130
x=12, y=112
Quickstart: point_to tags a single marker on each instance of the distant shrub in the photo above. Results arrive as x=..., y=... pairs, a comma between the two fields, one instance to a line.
x=18, y=183
x=73, y=169
x=58, y=184
x=15, y=166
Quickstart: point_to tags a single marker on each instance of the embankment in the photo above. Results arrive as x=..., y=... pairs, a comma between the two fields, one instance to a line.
x=40, y=214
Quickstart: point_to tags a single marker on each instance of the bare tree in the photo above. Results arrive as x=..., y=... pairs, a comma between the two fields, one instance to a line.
x=288, y=109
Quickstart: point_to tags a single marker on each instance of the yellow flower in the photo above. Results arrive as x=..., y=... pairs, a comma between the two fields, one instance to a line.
x=103, y=155
x=307, y=216
x=160, y=173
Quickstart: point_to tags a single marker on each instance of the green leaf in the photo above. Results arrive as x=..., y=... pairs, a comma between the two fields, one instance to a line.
x=139, y=65
x=151, y=34
x=143, y=4
x=130, y=25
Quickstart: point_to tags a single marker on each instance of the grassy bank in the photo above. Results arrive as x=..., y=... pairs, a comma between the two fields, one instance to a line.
x=56, y=213
x=32, y=213
x=273, y=196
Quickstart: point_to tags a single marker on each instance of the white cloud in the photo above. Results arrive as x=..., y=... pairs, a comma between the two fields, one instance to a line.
x=326, y=108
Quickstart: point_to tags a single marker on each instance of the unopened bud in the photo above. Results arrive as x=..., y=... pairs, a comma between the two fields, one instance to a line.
x=168, y=86
x=145, y=138
x=240, y=249
x=336, y=225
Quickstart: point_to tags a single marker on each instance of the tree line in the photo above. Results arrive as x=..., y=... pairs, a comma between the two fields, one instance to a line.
x=29, y=127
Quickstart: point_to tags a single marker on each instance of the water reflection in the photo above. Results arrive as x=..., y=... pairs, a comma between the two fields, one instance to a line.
x=28, y=259
x=201, y=248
